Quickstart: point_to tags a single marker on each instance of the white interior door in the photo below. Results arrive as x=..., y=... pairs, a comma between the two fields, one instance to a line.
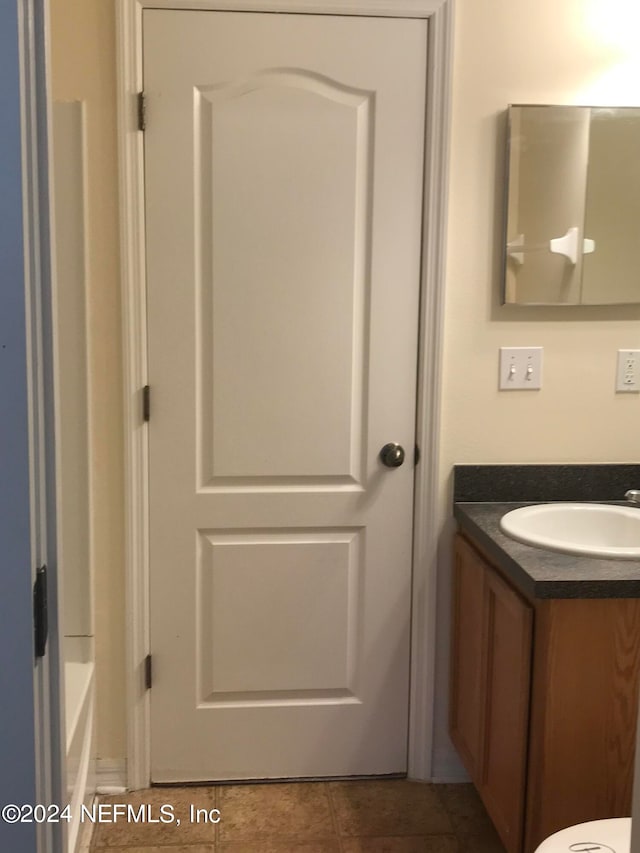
x=283, y=159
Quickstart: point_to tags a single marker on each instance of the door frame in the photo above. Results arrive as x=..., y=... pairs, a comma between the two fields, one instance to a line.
x=134, y=332
x=32, y=686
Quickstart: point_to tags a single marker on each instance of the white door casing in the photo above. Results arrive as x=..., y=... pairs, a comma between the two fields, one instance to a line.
x=283, y=175
x=424, y=556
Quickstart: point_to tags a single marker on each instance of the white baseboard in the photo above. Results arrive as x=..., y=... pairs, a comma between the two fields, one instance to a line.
x=111, y=775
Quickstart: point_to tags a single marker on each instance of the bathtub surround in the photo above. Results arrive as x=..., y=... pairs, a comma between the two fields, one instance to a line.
x=80, y=744
x=83, y=68
x=68, y=162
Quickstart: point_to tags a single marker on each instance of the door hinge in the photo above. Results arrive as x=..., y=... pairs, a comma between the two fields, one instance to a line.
x=40, y=612
x=147, y=672
x=146, y=403
x=142, y=111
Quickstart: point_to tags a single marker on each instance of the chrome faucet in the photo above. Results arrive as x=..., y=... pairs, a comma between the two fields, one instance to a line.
x=633, y=495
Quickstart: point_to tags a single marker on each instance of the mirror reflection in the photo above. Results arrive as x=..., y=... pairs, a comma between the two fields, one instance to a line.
x=573, y=206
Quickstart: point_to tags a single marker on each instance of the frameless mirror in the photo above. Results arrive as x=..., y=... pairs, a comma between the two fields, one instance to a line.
x=573, y=206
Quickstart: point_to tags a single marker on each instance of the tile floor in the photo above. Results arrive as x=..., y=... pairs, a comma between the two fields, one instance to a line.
x=387, y=816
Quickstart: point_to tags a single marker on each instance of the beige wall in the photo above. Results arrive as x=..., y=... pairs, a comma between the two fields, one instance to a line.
x=523, y=51
x=506, y=51
x=83, y=69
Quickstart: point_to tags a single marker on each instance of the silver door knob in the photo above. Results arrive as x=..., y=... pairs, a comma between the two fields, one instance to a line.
x=392, y=455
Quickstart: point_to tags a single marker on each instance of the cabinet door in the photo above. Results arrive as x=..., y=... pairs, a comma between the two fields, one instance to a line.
x=506, y=675
x=583, y=713
x=490, y=688
x=466, y=705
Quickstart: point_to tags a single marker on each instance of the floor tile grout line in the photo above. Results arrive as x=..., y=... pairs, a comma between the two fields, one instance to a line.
x=334, y=817
x=216, y=805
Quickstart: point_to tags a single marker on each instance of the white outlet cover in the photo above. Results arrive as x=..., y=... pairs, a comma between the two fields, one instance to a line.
x=520, y=369
x=628, y=371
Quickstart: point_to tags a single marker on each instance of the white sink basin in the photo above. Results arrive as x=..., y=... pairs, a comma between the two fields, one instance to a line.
x=596, y=530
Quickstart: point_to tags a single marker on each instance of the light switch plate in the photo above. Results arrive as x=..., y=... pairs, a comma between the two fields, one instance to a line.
x=628, y=371
x=520, y=368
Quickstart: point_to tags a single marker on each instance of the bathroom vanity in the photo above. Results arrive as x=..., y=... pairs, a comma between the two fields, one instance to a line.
x=544, y=674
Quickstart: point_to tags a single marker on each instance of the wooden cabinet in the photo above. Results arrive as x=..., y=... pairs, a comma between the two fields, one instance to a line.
x=467, y=684
x=492, y=646
x=543, y=702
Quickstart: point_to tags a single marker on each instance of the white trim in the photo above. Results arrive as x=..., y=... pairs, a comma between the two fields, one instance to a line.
x=425, y=545
x=129, y=60
x=129, y=34
x=34, y=213
x=35, y=97
x=374, y=8
x=111, y=775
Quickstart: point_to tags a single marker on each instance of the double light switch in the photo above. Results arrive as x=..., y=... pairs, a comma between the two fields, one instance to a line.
x=520, y=368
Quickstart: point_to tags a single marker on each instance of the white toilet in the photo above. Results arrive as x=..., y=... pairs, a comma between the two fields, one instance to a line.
x=596, y=836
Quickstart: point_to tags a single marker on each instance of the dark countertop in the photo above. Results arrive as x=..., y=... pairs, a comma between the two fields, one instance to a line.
x=541, y=483
x=539, y=573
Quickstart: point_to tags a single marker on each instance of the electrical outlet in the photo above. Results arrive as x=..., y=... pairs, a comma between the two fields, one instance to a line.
x=520, y=368
x=628, y=371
